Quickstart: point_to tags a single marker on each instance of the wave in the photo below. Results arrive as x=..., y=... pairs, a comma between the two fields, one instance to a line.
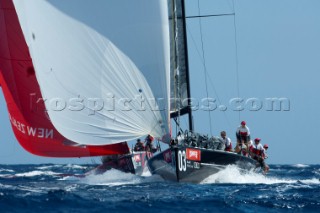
x=232, y=174
x=4, y=186
x=310, y=181
x=300, y=165
x=36, y=173
x=111, y=177
x=6, y=170
x=114, y=177
x=48, y=167
x=30, y=174
x=73, y=166
x=68, y=166
x=317, y=172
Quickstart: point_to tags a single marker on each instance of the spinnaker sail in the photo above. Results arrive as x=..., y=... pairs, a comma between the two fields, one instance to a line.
x=31, y=125
x=105, y=71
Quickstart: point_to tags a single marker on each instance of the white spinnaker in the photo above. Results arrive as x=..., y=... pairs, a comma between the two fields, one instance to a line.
x=92, y=57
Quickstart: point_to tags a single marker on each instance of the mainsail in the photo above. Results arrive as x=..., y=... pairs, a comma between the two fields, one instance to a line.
x=27, y=113
x=103, y=66
x=179, y=57
x=180, y=88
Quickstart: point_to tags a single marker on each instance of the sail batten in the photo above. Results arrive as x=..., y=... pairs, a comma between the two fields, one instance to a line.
x=104, y=81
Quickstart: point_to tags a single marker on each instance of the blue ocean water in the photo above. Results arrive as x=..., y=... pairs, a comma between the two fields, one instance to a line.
x=48, y=188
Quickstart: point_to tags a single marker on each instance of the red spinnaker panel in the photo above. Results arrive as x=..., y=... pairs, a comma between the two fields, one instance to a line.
x=27, y=114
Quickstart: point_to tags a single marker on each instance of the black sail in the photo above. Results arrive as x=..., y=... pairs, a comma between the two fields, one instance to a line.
x=180, y=87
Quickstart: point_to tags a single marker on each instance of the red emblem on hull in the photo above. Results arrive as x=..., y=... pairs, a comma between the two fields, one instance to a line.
x=167, y=156
x=137, y=158
x=193, y=154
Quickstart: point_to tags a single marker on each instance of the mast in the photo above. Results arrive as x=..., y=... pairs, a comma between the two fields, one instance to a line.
x=181, y=63
x=187, y=65
x=177, y=64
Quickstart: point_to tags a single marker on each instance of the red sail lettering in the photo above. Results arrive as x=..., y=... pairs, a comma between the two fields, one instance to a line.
x=32, y=128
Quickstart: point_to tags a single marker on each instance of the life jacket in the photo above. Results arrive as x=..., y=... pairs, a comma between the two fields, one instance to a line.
x=243, y=131
x=139, y=147
x=149, y=137
x=228, y=148
x=244, y=150
x=257, y=150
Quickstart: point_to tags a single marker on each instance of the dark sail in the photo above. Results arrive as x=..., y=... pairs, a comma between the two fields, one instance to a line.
x=179, y=60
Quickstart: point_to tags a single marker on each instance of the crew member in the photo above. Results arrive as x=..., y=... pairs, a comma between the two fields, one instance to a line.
x=149, y=144
x=139, y=146
x=258, y=153
x=266, y=147
x=243, y=133
x=226, y=141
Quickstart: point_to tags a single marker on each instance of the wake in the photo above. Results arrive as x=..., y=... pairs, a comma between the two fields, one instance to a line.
x=115, y=177
x=232, y=174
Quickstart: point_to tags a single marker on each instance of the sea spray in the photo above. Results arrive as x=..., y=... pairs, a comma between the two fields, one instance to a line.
x=232, y=174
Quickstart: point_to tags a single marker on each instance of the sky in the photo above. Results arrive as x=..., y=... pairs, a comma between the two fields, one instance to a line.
x=268, y=49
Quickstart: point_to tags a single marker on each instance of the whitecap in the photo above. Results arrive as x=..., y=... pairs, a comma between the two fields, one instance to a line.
x=4, y=186
x=47, y=167
x=31, y=189
x=73, y=166
x=300, y=165
x=36, y=173
x=317, y=172
x=111, y=177
x=7, y=176
x=310, y=181
x=71, y=188
x=232, y=174
x=114, y=177
x=6, y=170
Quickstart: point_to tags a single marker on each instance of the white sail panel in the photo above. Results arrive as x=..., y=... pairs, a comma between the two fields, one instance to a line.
x=101, y=66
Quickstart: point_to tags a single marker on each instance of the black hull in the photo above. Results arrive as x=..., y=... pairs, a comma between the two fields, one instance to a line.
x=139, y=160
x=189, y=164
x=131, y=163
x=123, y=163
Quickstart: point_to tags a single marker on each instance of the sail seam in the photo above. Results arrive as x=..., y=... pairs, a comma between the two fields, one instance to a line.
x=6, y=8
x=12, y=59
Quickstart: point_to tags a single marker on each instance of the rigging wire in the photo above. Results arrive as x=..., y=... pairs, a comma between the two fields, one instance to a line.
x=229, y=2
x=202, y=57
x=204, y=66
x=213, y=15
x=233, y=13
x=209, y=76
x=236, y=55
